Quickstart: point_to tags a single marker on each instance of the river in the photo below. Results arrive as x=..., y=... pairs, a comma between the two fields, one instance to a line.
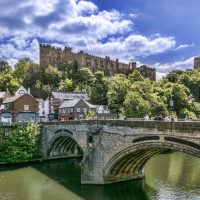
x=174, y=176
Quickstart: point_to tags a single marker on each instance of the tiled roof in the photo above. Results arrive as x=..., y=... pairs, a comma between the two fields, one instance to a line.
x=72, y=103
x=11, y=99
x=69, y=104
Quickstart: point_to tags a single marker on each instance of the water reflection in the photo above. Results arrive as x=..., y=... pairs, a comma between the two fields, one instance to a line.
x=173, y=176
x=29, y=183
x=167, y=177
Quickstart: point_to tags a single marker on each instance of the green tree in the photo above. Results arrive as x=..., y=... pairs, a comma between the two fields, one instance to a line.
x=135, y=76
x=68, y=69
x=52, y=76
x=66, y=85
x=7, y=81
x=84, y=79
x=118, y=87
x=21, y=68
x=99, y=89
x=135, y=106
x=179, y=94
x=5, y=67
x=174, y=76
x=21, y=144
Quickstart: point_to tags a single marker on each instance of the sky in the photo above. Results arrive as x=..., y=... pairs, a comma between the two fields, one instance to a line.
x=161, y=34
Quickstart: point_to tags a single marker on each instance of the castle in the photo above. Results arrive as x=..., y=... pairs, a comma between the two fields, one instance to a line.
x=55, y=56
x=197, y=63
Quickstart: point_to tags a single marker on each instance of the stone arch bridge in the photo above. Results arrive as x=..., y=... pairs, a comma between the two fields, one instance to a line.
x=117, y=150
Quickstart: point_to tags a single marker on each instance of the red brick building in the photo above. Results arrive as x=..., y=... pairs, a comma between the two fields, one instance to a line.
x=23, y=105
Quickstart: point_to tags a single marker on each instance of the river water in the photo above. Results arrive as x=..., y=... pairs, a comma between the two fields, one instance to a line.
x=174, y=176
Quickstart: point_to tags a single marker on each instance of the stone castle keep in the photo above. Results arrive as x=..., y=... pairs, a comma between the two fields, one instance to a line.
x=197, y=63
x=55, y=56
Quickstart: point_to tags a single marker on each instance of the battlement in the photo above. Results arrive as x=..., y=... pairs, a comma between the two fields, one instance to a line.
x=56, y=55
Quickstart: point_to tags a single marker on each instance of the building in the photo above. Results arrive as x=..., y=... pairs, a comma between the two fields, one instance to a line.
x=3, y=96
x=43, y=106
x=74, y=109
x=56, y=98
x=23, y=107
x=56, y=56
x=104, y=113
x=197, y=63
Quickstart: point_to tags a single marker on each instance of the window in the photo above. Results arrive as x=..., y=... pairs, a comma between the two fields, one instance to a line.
x=26, y=107
x=78, y=110
x=85, y=110
x=72, y=110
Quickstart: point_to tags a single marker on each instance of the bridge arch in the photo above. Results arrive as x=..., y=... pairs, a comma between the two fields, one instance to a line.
x=63, y=144
x=129, y=163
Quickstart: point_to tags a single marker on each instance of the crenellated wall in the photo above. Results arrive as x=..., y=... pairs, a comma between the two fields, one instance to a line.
x=55, y=56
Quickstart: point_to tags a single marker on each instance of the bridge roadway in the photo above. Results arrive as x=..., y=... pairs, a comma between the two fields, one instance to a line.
x=117, y=150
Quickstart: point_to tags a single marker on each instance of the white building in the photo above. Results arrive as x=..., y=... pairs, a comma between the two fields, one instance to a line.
x=43, y=108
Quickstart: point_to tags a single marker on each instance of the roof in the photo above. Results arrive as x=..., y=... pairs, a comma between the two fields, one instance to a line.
x=72, y=103
x=14, y=98
x=70, y=95
x=69, y=104
x=2, y=94
x=40, y=100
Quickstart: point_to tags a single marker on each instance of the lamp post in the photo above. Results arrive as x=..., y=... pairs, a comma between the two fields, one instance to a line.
x=171, y=104
x=137, y=108
x=97, y=110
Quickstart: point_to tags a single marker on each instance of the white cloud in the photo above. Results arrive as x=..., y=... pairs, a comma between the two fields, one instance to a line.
x=78, y=24
x=163, y=69
x=86, y=7
x=183, y=46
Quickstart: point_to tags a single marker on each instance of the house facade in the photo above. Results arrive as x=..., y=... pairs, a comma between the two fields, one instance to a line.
x=43, y=106
x=57, y=98
x=74, y=109
x=23, y=107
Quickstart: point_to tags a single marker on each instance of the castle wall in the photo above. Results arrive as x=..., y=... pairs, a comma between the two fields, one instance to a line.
x=56, y=56
x=197, y=63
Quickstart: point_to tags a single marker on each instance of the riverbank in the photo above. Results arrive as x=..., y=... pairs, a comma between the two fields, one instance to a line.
x=34, y=161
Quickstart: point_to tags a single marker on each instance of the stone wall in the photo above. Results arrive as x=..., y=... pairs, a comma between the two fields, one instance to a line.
x=197, y=63
x=55, y=56
x=116, y=150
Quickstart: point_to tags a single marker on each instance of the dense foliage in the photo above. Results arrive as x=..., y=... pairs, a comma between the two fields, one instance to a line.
x=133, y=95
x=21, y=144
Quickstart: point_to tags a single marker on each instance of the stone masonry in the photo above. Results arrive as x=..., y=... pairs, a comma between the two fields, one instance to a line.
x=55, y=56
x=197, y=63
x=117, y=150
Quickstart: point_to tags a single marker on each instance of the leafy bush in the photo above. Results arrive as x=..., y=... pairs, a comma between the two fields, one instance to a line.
x=21, y=144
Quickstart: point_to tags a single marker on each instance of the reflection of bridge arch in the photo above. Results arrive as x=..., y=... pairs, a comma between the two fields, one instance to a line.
x=129, y=163
x=63, y=144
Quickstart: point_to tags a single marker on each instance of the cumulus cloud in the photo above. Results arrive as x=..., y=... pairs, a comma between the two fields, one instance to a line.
x=163, y=69
x=75, y=23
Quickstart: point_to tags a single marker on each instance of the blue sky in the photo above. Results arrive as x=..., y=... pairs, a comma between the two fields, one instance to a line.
x=162, y=34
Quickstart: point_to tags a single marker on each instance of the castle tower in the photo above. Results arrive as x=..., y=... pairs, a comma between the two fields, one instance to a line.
x=197, y=63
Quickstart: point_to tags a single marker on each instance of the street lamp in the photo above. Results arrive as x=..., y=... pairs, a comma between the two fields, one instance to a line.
x=171, y=104
x=137, y=108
